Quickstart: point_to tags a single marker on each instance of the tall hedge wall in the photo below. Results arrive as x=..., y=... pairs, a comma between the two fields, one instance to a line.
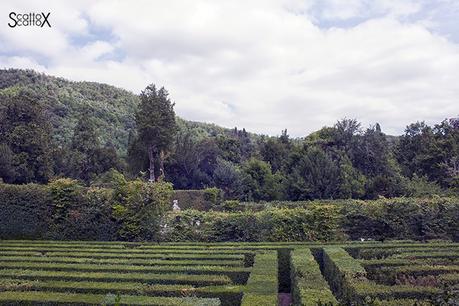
x=65, y=210
x=138, y=211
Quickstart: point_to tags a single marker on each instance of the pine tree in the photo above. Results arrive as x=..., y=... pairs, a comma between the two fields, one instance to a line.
x=156, y=126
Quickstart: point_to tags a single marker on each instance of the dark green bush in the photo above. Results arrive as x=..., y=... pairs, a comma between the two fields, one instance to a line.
x=197, y=199
x=137, y=211
x=402, y=218
x=309, y=287
x=24, y=211
x=262, y=284
x=66, y=210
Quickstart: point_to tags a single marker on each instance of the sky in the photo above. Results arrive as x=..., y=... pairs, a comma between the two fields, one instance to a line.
x=264, y=65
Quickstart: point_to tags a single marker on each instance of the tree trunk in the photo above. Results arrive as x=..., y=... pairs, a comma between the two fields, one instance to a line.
x=161, y=165
x=151, y=157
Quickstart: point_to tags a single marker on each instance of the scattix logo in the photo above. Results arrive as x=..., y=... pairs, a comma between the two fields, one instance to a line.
x=29, y=20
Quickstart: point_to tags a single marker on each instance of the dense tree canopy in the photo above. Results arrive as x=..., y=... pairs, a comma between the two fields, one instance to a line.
x=53, y=128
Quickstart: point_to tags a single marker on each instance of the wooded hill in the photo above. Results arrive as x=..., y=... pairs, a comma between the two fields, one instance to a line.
x=51, y=127
x=111, y=108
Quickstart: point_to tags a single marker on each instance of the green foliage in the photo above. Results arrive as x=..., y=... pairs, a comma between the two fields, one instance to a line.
x=342, y=272
x=313, y=174
x=112, y=109
x=230, y=205
x=110, y=179
x=156, y=118
x=309, y=288
x=133, y=210
x=99, y=299
x=24, y=211
x=228, y=177
x=212, y=195
x=7, y=169
x=262, y=285
x=64, y=209
x=25, y=139
x=156, y=126
x=50, y=127
x=316, y=223
x=140, y=208
x=66, y=196
x=259, y=181
x=402, y=218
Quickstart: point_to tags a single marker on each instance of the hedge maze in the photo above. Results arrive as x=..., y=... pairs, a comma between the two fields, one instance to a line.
x=117, y=273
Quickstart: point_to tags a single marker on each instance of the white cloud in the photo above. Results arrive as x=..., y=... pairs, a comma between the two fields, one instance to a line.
x=262, y=65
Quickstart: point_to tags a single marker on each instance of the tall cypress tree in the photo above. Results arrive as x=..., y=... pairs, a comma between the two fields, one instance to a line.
x=156, y=126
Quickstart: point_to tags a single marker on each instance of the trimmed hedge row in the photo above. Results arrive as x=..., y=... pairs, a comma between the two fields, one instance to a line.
x=348, y=280
x=229, y=295
x=121, y=251
x=262, y=286
x=136, y=256
x=128, y=262
x=65, y=210
x=388, y=275
x=238, y=275
x=203, y=269
x=378, y=253
x=342, y=273
x=371, y=264
x=198, y=199
x=196, y=280
x=56, y=298
x=309, y=288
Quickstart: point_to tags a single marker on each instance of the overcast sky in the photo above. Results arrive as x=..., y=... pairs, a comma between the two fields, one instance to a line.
x=263, y=65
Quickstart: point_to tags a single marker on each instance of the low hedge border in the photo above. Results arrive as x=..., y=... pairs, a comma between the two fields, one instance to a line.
x=57, y=298
x=186, y=279
x=383, y=292
x=262, y=286
x=372, y=264
x=388, y=275
x=229, y=295
x=348, y=277
x=138, y=256
x=342, y=271
x=309, y=288
x=122, y=251
x=386, y=252
x=127, y=262
x=238, y=275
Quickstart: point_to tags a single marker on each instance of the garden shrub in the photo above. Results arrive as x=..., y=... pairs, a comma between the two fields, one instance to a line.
x=402, y=218
x=198, y=199
x=240, y=226
x=64, y=209
x=342, y=271
x=262, y=284
x=212, y=195
x=140, y=209
x=24, y=211
x=309, y=288
x=134, y=210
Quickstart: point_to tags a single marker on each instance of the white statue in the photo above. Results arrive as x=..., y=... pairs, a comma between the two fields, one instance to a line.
x=175, y=206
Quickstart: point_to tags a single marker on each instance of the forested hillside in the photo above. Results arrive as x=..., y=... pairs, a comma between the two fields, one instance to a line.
x=52, y=128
